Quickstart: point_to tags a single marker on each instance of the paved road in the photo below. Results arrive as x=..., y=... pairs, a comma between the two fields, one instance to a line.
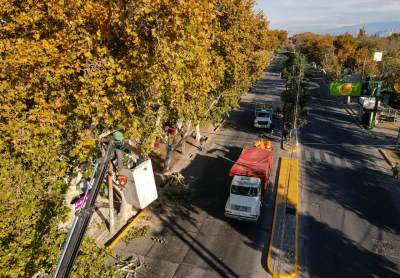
x=202, y=242
x=349, y=212
x=350, y=207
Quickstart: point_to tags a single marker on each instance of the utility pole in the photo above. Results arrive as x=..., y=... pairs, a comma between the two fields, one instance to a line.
x=378, y=93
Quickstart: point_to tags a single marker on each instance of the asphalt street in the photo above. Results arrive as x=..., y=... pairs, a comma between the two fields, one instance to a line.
x=202, y=242
x=349, y=205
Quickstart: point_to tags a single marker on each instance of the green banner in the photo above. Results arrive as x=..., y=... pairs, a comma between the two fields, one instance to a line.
x=345, y=89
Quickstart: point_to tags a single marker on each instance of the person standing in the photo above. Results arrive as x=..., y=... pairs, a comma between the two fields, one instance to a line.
x=272, y=127
x=285, y=134
x=202, y=141
x=278, y=111
x=396, y=171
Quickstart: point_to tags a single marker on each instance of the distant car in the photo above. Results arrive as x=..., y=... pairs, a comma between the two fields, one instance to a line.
x=309, y=72
x=304, y=81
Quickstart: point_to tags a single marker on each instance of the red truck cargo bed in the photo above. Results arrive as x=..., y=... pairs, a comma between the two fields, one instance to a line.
x=253, y=163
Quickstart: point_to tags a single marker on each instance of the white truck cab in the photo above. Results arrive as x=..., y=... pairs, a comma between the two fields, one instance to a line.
x=263, y=115
x=244, y=202
x=263, y=119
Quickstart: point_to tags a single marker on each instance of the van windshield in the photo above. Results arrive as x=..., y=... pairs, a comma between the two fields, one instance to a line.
x=263, y=114
x=244, y=191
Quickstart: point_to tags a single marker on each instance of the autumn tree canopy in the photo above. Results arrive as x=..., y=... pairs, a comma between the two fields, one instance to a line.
x=72, y=70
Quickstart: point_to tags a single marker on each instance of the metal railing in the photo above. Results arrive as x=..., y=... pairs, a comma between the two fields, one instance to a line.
x=389, y=114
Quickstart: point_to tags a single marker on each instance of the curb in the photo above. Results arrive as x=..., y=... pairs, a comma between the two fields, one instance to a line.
x=386, y=157
x=219, y=126
x=351, y=114
x=291, y=151
x=126, y=229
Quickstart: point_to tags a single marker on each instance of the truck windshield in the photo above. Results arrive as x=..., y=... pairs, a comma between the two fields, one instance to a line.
x=263, y=114
x=244, y=191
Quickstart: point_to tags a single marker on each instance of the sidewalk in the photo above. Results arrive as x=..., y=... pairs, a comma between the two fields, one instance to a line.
x=178, y=161
x=385, y=132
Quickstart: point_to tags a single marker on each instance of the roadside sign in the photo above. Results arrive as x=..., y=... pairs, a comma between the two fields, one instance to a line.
x=80, y=202
x=345, y=89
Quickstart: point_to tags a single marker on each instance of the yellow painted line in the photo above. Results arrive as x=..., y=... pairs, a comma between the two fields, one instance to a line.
x=220, y=125
x=165, y=186
x=351, y=114
x=289, y=195
x=127, y=228
x=292, y=151
x=386, y=157
x=208, y=138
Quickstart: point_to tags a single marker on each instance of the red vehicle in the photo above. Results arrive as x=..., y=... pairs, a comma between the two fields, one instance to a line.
x=254, y=163
x=249, y=179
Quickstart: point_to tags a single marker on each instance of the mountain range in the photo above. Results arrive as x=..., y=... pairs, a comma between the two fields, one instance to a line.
x=381, y=29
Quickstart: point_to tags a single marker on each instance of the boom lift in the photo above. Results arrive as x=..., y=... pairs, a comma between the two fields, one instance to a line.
x=84, y=215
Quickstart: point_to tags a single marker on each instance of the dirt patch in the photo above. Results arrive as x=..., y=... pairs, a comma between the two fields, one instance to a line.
x=395, y=155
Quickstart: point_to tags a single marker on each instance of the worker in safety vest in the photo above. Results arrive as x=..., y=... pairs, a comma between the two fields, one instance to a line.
x=123, y=153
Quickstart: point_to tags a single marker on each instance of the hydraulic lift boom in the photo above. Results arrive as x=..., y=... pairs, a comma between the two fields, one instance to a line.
x=83, y=216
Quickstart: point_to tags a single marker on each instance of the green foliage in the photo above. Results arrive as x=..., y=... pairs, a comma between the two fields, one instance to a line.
x=177, y=197
x=135, y=233
x=289, y=108
x=237, y=55
x=293, y=66
x=72, y=70
x=146, y=217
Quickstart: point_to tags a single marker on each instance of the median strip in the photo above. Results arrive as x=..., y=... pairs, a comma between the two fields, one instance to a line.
x=351, y=114
x=291, y=151
x=282, y=258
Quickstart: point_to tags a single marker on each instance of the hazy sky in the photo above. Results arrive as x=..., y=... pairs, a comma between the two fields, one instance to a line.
x=295, y=15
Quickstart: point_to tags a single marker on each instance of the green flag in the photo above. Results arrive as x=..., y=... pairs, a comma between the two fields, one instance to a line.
x=345, y=89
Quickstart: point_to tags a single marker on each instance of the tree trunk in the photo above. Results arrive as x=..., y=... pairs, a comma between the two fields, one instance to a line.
x=183, y=146
x=173, y=146
x=198, y=135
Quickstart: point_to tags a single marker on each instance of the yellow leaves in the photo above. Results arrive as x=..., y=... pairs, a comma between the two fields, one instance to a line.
x=147, y=10
x=80, y=21
x=98, y=33
x=131, y=108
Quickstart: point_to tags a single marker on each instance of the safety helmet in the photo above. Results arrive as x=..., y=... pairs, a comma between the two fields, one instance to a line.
x=118, y=135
